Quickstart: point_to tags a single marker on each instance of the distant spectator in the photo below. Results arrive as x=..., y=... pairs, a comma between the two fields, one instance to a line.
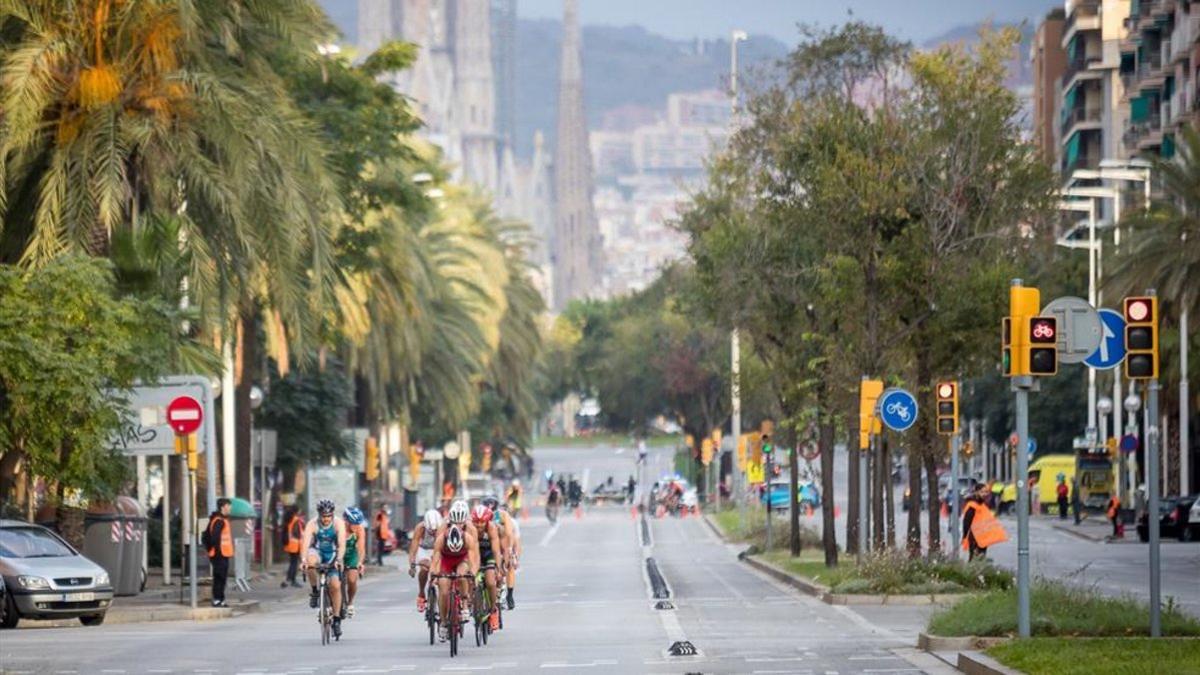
x=1063, y=493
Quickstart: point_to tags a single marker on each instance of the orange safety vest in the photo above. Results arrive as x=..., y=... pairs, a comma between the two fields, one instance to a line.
x=294, y=530
x=226, y=543
x=987, y=530
x=1113, y=505
x=383, y=527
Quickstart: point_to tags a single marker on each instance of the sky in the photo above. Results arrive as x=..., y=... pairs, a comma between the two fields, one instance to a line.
x=915, y=20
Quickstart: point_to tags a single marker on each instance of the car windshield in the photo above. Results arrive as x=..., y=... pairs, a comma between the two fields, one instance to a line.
x=31, y=542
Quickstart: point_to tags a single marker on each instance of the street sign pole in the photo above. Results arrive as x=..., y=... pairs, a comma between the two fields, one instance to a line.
x=767, y=492
x=1153, y=447
x=954, y=505
x=864, y=466
x=1021, y=385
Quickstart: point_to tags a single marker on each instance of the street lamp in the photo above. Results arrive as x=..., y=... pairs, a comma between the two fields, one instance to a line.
x=735, y=349
x=1104, y=406
x=1085, y=201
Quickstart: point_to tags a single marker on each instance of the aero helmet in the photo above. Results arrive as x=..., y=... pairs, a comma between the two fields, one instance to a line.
x=455, y=539
x=458, y=512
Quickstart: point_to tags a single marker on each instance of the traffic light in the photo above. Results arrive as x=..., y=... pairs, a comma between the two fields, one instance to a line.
x=371, y=460
x=767, y=448
x=947, y=408
x=1141, y=338
x=706, y=451
x=414, y=463
x=1023, y=305
x=1042, y=346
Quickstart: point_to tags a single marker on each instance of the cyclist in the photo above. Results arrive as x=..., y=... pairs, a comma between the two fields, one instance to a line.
x=554, y=498
x=420, y=551
x=455, y=551
x=491, y=555
x=356, y=553
x=325, y=542
x=510, y=536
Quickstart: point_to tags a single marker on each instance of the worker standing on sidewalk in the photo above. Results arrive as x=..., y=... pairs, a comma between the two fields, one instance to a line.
x=292, y=532
x=1062, y=492
x=980, y=528
x=1114, y=516
x=219, y=541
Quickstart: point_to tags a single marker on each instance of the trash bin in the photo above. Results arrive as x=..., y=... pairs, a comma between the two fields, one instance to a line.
x=242, y=519
x=103, y=539
x=133, y=544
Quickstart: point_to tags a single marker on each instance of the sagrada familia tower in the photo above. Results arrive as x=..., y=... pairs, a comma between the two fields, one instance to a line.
x=463, y=87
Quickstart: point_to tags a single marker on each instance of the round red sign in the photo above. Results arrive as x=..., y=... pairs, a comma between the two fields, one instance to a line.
x=185, y=415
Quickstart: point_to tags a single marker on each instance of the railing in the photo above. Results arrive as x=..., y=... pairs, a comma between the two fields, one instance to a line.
x=1140, y=130
x=1075, y=65
x=1179, y=104
x=1078, y=115
x=1082, y=161
x=1149, y=67
x=1184, y=35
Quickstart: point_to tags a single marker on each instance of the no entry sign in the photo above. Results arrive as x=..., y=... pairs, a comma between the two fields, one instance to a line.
x=185, y=415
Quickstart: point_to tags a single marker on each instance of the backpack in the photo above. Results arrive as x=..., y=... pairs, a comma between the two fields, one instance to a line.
x=206, y=537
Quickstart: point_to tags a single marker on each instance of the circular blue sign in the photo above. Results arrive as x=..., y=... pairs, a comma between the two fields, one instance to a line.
x=1111, y=351
x=1129, y=443
x=898, y=409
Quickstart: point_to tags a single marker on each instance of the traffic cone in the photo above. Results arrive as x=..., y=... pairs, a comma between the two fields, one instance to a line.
x=837, y=512
x=578, y=513
x=524, y=513
x=633, y=512
x=945, y=510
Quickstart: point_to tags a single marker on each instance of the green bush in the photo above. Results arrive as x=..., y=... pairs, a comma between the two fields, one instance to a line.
x=894, y=572
x=1128, y=656
x=753, y=531
x=1058, y=610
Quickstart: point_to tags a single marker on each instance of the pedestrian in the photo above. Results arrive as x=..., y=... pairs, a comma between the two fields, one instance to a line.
x=1076, y=501
x=980, y=529
x=293, y=529
x=997, y=496
x=1063, y=492
x=219, y=540
x=383, y=531
x=1114, y=516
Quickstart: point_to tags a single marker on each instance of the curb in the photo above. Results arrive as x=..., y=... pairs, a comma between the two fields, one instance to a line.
x=943, y=643
x=715, y=528
x=823, y=593
x=154, y=614
x=1080, y=535
x=978, y=663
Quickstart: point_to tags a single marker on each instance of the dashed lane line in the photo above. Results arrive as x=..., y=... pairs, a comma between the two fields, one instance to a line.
x=545, y=540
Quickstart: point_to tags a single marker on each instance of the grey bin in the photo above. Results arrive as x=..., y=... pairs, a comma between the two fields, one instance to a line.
x=133, y=544
x=103, y=539
x=242, y=530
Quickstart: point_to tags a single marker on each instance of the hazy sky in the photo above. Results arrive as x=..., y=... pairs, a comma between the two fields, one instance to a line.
x=915, y=20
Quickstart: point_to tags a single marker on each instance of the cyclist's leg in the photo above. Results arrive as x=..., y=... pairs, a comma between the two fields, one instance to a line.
x=443, y=598
x=351, y=584
x=422, y=581
x=464, y=586
x=335, y=592
x=313, y=557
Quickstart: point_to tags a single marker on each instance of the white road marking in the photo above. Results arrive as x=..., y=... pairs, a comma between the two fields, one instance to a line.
x=891, y=670
x=548, y=536
x=462, y=668
x=773, y=659
x=782, y=672
x=873, y=658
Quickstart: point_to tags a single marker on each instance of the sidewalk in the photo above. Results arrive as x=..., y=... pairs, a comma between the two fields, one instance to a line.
x=159, y=602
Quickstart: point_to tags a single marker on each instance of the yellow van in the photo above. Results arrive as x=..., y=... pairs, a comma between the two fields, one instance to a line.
x=1046, y=470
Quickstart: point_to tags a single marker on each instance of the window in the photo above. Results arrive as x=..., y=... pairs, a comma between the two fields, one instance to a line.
x=31, y=542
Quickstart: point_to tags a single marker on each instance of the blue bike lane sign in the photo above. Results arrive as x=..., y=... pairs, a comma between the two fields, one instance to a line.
x=897, y=409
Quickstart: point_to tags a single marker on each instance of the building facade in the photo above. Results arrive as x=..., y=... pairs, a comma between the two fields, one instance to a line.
x=1161, y=57
x=1049, y=62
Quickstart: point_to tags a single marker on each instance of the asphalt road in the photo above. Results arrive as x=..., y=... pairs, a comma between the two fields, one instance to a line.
x=583, y=605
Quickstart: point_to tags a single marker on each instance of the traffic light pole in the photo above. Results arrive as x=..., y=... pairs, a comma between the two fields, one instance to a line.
x=1021, y=385
x=955, y=537
x=863, y=460
x=767, y=493
x=1153, y=446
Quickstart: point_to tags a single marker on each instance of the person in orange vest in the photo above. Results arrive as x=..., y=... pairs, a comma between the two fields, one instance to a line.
x=292, y=531
x=220, y=549
x=976, y=512
x=383, y=532
x=1114, y=516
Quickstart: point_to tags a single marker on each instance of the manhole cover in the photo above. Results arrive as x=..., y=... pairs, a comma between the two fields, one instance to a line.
x=682, y=648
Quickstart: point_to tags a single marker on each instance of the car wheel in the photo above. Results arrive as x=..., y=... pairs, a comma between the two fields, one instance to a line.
x=93, y=620
x=1187, y=533
x=8, y=613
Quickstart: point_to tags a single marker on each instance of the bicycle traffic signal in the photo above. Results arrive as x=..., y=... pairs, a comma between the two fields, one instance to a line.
x=1141, y=337
x=1042, y=346
x=1006, y=356
x=947, y=408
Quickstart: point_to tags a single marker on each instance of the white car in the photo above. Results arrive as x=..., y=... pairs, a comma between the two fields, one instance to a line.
x=45, y=578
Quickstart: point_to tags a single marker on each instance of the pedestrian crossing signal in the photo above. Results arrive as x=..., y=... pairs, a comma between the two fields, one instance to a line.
x=1006, y=362
x=947, y=408
x=1141, y=338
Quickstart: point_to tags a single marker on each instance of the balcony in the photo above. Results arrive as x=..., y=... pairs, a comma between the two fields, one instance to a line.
x=1183, y=37
x=1081, y=67
x=1082, y=161
x=1145, y=133
x=1080, y=117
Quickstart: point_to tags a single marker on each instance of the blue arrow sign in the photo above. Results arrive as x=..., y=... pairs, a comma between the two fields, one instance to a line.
x=898, y=409
x=1111, y=351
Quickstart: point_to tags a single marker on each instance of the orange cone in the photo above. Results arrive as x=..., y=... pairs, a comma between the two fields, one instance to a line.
x=837, y=512
x=945, y=510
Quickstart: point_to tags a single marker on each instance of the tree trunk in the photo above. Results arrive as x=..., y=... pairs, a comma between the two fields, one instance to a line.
x=244, y=419
x=889, y=494
x=935, y=503
x=828, y=533
x=70, y=524
x=912, y=541
x=8, y=472
x=793, y=491
x=852, y=494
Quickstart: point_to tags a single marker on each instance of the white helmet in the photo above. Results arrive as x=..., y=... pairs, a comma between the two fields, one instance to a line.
x=516, y=482
x=459, y=512
x=454, y=538
x=433, y=520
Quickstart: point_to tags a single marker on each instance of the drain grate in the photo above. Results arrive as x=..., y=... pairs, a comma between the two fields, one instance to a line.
x=683, y=648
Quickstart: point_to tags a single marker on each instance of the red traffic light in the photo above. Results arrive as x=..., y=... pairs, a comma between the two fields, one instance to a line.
x=1043, y=330
x=945, y=390
x=1138, y=309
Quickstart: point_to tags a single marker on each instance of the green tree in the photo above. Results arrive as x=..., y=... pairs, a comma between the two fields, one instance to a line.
x=69, y=351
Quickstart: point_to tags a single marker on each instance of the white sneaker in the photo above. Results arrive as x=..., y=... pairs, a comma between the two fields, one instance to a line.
x=443, y=634
x=349, y=611
x=465, y=613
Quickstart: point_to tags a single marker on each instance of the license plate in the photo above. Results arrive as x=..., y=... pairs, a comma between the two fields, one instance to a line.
x=78, y=597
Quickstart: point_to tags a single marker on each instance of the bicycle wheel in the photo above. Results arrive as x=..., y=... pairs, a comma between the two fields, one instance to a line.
x=431, y=617
x=323, y=616
x=453, y=622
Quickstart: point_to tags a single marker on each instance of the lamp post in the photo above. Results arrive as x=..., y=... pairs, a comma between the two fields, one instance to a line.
x=735, y=347
x=1104, y=406
x=1133, y=403
x=1088, y=206
x=256, y=399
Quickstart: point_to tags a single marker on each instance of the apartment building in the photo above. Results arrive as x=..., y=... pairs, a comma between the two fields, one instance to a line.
x=1160, y=57
x=1091, y=118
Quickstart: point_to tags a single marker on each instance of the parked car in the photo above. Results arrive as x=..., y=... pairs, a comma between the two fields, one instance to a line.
x=1172, y=512
x=807, y=494
x=46, y=578
x=1189, y=530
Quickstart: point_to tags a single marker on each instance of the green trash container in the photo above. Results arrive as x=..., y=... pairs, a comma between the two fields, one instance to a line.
x=133, y=544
